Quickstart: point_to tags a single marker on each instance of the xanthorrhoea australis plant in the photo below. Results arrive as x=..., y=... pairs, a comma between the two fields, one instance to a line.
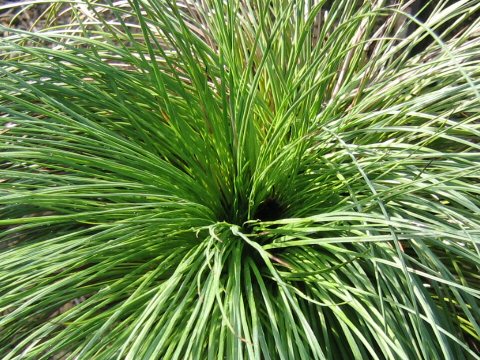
x=241, y=179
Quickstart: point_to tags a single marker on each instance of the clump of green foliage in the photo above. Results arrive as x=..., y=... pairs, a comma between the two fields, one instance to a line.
x=241, y=179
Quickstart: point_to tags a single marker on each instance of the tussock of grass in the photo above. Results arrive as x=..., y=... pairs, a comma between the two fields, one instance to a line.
x=255, y=179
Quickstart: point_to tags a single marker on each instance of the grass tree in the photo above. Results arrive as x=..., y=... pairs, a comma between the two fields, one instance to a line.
x=241, y=180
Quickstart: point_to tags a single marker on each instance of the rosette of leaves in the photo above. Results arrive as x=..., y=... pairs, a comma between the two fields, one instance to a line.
x=241, y=180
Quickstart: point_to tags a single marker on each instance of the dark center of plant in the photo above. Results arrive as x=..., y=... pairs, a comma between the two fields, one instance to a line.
x=269, y=210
